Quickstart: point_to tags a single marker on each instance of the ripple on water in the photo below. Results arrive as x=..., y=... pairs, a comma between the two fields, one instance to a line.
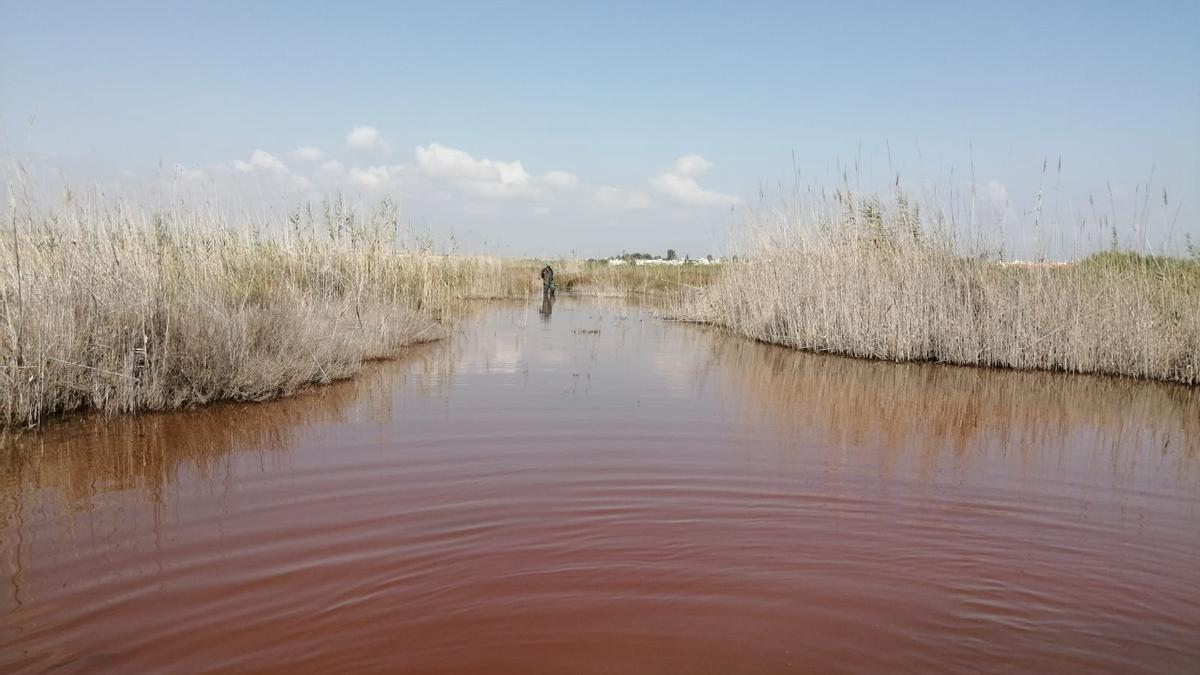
x=647, y=498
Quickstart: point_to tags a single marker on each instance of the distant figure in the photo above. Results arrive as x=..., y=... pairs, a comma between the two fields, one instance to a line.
x=547, y=281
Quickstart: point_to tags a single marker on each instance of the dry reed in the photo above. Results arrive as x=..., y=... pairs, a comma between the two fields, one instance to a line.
x=119, y=309
x=871, y=281
x=662, y=282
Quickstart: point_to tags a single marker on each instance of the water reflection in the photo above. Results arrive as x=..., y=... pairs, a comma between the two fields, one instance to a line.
x=921, y=415
x=913, y=416
x=75, y=461
x=609, y=483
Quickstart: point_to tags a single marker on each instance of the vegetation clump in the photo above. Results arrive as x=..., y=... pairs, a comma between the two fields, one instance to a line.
x=119, y=308
x=871, y=280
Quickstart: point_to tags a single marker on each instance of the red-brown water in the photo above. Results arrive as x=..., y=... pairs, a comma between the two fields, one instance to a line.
x=599, y=491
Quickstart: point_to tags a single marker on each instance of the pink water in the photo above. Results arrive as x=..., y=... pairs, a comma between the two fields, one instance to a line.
x=600, y=491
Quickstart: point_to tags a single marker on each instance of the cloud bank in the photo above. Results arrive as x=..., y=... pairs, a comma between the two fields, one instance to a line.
x=445, y=186
x=454, y=175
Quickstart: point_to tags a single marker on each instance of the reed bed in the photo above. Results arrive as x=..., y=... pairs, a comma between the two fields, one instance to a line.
x=669, y=282
x=121, y=309
x=874, y=281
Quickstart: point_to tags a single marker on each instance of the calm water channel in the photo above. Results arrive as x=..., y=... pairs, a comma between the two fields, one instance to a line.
x=595, y=490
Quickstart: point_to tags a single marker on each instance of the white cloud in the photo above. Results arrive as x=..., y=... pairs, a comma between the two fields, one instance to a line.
x=447, y=184
x=691, y=165
x=561, y=180
x=679, y=184
x=687, y=191
x=506, y=180
x=442, y=162
x=374, y=177
x=486, y=177
x=620, y=198
x=260, y=159
x=367, y=139
x=270, y=170
x=308, y=153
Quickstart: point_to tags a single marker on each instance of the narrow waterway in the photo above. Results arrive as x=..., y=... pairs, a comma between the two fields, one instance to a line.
x=586, y=488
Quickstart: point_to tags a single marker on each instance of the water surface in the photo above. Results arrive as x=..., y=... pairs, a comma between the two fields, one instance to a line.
x=585, y=488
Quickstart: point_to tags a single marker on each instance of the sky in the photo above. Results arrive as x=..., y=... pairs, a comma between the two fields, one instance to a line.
x=567, y=128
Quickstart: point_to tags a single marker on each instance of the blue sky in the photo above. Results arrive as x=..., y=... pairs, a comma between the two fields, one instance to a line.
x=552, y=128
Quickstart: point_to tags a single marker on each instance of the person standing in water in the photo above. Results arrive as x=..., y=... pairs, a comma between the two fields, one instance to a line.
x=547, y=280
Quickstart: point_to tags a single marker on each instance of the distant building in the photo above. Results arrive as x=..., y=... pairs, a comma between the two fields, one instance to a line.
x=1035, y=264
x=636, y=259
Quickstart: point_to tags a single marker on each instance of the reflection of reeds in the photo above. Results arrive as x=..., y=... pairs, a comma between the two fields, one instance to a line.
x=65, y=466
x=864, y=280
x=926, y=412
x=91, y=455
x=126, y=309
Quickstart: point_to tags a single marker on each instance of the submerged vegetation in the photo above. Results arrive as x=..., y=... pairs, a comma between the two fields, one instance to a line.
x=874, y=282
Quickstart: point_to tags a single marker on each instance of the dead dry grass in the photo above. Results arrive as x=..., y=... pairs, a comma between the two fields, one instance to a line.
x=122, y=308
x=663, y=282
x=871, y=282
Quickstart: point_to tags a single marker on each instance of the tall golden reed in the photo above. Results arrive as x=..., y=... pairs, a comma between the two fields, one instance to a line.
x=873, y=281
x=121, y=308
